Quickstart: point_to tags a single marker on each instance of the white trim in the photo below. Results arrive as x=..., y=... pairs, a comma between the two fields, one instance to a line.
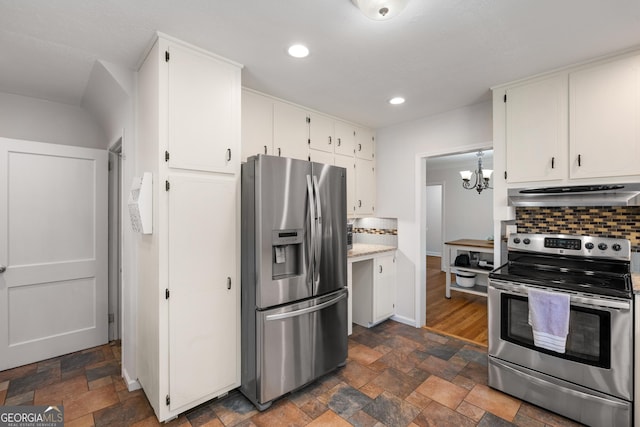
x=132, y=384
x=405, y=320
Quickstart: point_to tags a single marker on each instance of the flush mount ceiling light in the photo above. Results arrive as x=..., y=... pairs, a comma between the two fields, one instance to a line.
x=482, y=177
x=396, y=100
x=380, y=10
x=298, y=51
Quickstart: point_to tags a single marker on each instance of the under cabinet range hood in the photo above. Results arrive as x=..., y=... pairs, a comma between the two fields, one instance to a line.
x=577, y=195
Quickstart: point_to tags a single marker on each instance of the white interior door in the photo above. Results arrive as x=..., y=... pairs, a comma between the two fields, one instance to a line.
x=53, y=243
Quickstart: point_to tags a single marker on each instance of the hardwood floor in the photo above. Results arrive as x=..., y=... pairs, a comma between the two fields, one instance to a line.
x=463, y=316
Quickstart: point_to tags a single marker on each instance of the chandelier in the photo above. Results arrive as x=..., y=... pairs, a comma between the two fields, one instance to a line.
x=482, y=178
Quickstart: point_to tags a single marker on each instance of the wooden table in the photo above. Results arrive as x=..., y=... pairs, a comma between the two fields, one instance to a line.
x=469, y=245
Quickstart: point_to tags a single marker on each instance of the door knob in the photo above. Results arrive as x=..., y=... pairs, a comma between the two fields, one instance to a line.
x=3, y=268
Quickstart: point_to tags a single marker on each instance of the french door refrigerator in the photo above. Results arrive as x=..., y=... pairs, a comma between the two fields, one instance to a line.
x=294, y=274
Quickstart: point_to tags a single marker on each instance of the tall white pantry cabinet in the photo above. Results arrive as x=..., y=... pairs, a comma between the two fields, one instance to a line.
x=188, y=273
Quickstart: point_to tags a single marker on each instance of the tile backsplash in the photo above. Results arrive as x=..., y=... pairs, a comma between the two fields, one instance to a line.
x=616, y=221
x=375, y=231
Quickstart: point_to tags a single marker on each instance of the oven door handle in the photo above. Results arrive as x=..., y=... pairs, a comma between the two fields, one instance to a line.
x=575, y=299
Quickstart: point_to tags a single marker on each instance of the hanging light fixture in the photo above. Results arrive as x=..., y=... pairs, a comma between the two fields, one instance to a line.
x=380, y=10
x=482, y=176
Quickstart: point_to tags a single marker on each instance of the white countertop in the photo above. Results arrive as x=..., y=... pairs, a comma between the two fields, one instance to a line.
x=362, y=249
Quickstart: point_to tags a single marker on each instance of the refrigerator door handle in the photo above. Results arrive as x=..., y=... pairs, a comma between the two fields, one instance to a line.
x=318, y=237
x=312, y=224
x=307, y=310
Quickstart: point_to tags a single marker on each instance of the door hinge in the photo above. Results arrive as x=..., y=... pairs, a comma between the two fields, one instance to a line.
x=168, y=400
x=166, y=293
x=166, y=56
x=308, y=119
x=112, y=318
x=167, y=186
x=505, y=97
x=166, y=156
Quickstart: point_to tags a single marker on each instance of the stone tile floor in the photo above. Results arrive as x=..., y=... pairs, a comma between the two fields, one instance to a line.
x=396, y=375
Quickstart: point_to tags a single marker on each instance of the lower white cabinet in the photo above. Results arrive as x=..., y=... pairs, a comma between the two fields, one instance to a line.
x=374, y=289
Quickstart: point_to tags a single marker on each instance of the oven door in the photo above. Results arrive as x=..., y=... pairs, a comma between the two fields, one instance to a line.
x=599, y=350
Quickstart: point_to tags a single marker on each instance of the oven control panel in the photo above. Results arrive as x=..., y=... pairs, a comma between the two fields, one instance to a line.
x=563, y=244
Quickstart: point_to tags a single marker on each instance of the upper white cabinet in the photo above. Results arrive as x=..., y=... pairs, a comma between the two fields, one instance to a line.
x=257, y=124
x=536, y=130
x=321, y=133
x=365, y=187
x=349, y=163
x=290, y=131
x=604, y=131
x=345, y=138
x=202, y=101
x=574, y=126
x=365, y=143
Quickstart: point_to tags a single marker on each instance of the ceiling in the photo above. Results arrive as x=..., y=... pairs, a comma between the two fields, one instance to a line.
x=438, y=54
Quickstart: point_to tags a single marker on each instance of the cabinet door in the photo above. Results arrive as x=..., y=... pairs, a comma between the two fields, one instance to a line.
x=344, y=138
x=536, y=130
x=348, y=162
x=385, y=287
x=290, y=131
x=321, y=157
x=257, y=124
x=605, y=120
x=203, y=304
x=204, y=111
x=365, y=186
x=365, y=141
x=321, y=133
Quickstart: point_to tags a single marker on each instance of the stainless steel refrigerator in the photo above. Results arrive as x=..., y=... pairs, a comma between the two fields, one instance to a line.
x=294, y=274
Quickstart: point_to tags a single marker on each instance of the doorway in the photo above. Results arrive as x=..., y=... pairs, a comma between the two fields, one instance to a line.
x=453, y=212
x=115, y=233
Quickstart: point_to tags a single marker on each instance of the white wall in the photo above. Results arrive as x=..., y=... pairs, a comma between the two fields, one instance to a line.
x=434, y=219
x=39, y=120
x=400, y=178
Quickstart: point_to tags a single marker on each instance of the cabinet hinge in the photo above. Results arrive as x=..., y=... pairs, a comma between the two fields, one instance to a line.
x=166, y=293
x=166, y=56
x=168, y=400
x=505, y=97
x=166, y=156
x=167, y=186
x=308, y=119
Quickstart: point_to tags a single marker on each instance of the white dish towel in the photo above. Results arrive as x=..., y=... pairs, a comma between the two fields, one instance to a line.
x=549, y=318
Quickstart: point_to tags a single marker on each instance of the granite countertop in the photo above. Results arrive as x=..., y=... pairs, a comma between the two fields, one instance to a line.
x=361, y=249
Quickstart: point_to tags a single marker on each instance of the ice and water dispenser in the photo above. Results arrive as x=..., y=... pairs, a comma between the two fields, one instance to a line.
x=287, y=250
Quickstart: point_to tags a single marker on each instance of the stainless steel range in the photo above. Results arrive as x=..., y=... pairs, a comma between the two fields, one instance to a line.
x=588, y=377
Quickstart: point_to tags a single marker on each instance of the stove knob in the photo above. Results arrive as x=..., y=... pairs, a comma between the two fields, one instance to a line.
x=602, y=246
x=526, y=241
x=589, y=245
x=616, y=247
x=516, y=240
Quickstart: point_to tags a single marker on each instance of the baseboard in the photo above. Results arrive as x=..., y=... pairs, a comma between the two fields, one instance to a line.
x=434, y=253
x=405, y=320
x=131, y=383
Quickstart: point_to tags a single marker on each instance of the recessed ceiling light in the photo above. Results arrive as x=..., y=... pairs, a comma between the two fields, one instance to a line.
x=396, y=100
x=298, y=51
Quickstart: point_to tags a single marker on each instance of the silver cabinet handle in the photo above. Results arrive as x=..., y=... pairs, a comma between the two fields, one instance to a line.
x=380, y=268
x=3, y=268
x=339, y=142
x=228, y=282
x=329, y=140
x=359, y=203
x=359, y=147
x=579, y=160
x=228, y=154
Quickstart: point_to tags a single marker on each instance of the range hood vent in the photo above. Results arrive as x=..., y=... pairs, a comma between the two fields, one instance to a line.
x=577, y=195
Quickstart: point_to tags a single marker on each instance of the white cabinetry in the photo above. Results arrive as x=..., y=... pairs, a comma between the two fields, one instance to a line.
x=605, y=120
x=321, y=133
x=345, y=138
x=189, y=279
x=257, y=124
x=374, y=289
x=349, y=163
x=290, y=131
x=575, y=126
x=365, y=186
x=365, y=144
x=536, y=130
